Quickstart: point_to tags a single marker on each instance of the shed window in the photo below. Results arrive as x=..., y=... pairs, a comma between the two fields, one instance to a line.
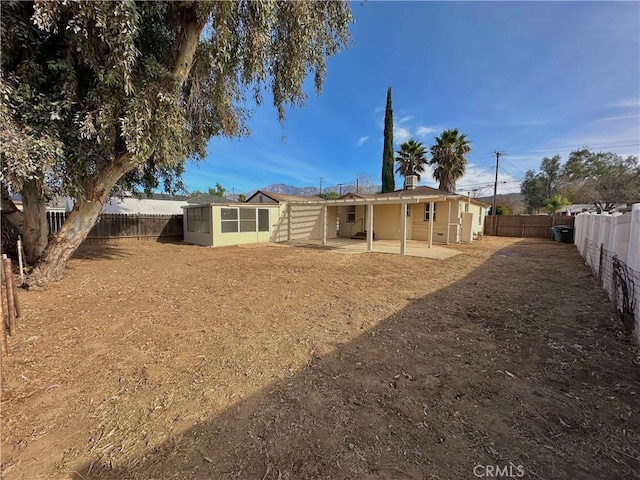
x=351, y=214
x=198, y=220
x=234, y=220
x=228, y=220
x=427, y=211
x=408, y=210
x=247, y=219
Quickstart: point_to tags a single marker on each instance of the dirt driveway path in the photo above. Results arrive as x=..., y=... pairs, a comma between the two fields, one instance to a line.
x=154, y=361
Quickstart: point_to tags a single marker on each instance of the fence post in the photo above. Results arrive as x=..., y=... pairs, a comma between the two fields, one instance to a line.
x=633, y=257
x=138, y=226
x=11, y=306
x=600, y=262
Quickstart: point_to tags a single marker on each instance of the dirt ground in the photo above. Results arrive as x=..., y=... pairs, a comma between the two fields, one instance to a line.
x=163, y=361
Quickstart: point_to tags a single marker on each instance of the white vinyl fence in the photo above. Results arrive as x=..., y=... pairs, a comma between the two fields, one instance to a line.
x=610, y=245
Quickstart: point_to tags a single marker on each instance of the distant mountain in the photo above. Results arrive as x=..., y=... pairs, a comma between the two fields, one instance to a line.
x=310, y=191
x=287, y=190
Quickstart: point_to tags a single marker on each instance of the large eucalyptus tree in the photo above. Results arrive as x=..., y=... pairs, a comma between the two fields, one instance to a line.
x=102, y=93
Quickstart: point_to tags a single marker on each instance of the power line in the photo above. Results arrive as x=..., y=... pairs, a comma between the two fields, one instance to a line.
x=571, y=149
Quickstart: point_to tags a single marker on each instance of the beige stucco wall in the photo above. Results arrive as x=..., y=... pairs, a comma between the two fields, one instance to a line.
x=195, y=238
x=358, y=226
x=420, y=227
x=386, y=222
x=306, y=222
x=332, y=222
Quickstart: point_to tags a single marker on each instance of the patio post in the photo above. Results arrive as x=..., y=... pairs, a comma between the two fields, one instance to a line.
x=431, y=214
x=403, y=228
x=449, y=220
x=370, y=228
x=323, y=225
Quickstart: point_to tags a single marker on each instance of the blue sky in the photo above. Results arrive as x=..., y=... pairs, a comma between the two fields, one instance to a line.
x=531, y=79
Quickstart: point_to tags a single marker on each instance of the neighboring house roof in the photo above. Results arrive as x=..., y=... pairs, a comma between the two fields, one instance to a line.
x=133, y=205
x=206, y=199
x=57, y=204
x=281, y=197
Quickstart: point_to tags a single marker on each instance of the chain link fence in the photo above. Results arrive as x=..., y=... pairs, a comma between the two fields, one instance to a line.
x=621, y=283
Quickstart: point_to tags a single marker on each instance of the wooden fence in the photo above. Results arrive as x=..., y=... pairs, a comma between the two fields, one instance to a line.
x=538, y=226
x=113, y=227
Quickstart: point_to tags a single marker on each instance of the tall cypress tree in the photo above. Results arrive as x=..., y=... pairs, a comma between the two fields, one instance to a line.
x=388, y=181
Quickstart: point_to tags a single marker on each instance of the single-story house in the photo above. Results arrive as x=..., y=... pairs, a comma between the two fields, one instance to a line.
x=419, y=213
x=432, y=215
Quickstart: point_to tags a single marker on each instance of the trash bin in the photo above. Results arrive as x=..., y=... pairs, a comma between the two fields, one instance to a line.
x=564, y=233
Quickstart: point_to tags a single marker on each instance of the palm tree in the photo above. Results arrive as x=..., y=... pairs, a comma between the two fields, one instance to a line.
x=411, y=159
x=448, y=156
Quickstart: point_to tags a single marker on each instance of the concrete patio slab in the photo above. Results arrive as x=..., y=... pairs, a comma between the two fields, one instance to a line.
x=349, y=247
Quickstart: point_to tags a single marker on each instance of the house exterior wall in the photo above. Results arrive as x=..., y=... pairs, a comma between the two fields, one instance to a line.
x=306, y=222
x=386, y=222
x=358, y=226
x=420, y=226
x=196, y=238
x=332, y=222
x=279, y=224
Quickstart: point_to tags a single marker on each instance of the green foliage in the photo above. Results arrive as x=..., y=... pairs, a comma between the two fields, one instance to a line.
x=604, y=179
x=89, y=86
x=218, y=191
x=556, y=203
x=388, y=180
x=242, y=197
x=448, y=156
x=330, y=195
x=411, y=159
x=502, y=210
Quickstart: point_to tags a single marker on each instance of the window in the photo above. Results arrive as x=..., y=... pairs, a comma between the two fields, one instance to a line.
x=351, y=214
x=263, y=219
x=466, y=207
x=198, y=220
x=228, y=220
x=234, y=220
x=408, y=210
x=427, y=212
x=247, y=219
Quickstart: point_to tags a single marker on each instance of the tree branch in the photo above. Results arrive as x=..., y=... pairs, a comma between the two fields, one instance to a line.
x=189, y=36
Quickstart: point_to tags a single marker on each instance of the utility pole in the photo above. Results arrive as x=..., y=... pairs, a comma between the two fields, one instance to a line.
x=495, y=192
x=321, y=186
x=340, y=186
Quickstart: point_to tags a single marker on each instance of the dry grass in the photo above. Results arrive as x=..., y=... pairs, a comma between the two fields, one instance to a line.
x=175, y=361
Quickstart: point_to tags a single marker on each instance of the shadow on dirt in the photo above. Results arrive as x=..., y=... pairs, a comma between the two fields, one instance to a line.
x=100, y=252
x=510, y=373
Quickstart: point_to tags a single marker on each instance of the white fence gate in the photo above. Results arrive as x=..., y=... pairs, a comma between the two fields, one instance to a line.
x=610, y=245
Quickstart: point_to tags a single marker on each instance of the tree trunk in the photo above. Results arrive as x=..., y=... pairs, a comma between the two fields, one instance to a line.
x=35, y=229
x=83, y=217
x=10, y=211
